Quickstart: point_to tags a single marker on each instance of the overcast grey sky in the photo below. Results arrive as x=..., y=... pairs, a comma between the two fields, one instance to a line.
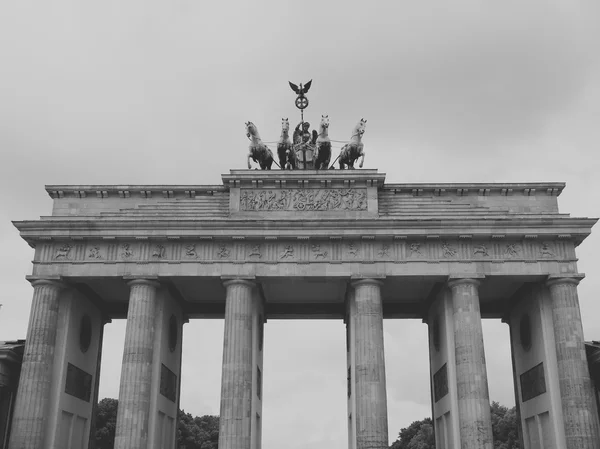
x=153, y=92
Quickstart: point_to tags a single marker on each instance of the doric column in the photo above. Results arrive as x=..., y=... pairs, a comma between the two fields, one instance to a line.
x=235, y=424
x=471, y=376
x=369, y=371
x=136, y=372
x=31, y=407
x=577, y=395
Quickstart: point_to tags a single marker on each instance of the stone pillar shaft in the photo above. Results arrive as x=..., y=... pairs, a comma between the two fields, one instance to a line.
x=136, y=372
x=371, y=401
x=235, y=425
x=577, y=395
x=471, y=376
x=31, y=407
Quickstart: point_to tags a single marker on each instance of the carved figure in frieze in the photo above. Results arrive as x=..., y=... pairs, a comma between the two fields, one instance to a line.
x=415, y=250
x=287, y=252
x=63, y=251
x=287, y=157
x=384, y=251
x=255, y=251
x=323, y=153
x=480, y=249
x=303, y=199
x=355, y=148
x=223, y=252
x=126, y=251
x=94, y=253
x=448, y=250
x=316, y=249
x=352, y=249
x=190, y=251
x=512, y=250
x=256, y=200
x=159, y=252
x=258, y=151
x=546, y=250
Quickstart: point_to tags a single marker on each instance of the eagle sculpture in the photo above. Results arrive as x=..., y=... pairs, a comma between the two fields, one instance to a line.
x=300, y=91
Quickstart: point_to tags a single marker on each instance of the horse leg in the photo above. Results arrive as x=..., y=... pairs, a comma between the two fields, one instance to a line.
x=282, y=156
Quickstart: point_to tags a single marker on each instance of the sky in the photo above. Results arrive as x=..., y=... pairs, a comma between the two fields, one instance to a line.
x=157, y=92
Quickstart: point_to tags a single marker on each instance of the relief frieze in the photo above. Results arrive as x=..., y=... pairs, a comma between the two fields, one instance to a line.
x=305, y=250
x=63, y=252
x=303, y=200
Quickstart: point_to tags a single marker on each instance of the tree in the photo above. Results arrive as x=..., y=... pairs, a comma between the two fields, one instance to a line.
x=505, y=429
x=419, y=435
x=106, y=423
x=199, y=432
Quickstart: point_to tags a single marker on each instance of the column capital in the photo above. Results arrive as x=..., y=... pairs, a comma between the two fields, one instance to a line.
x=555, y=279
x=357, y=281
x=474, y=279
x=151, y=281
x=249, y=281
x=54, y=281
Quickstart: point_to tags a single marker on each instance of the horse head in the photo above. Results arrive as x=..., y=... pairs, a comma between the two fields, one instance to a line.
x=324, y=122
x=359, y=129
x=251, y=131
x=285, y=125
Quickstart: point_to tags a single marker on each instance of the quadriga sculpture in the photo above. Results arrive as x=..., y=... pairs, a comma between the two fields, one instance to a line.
x=323, y=153
x=354, y=149
x=258, y=151
x=287, y=157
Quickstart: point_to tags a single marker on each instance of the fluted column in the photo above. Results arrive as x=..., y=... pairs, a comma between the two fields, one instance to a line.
x=136, y=372
x=235, y=424
x=577, y=395
x=371, y=401
x=471, y=376
x=31, y=406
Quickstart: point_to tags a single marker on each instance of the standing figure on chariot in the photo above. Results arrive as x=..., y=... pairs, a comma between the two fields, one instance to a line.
x=305, y=144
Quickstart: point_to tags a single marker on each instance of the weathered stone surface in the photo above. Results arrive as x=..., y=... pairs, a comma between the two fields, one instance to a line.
x=136, y=372
x=235, y=425
x=580, y=414
x=472, y=388
x=31, y=407
x=369, y=372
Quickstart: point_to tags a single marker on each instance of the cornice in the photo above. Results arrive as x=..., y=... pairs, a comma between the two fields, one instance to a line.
x=564, y=228
x=303, y=179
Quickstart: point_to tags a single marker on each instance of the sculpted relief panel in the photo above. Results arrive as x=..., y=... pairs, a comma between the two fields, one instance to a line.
x=304, y=250
x=303, y=200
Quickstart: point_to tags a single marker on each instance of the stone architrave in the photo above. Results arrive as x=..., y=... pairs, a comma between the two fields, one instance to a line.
x=136, y=373
x=367, y=401
x=580, y=413
x=33, y=396
x=474, y=418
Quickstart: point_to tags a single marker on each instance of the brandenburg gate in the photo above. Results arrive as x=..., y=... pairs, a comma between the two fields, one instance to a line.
x=339, y=244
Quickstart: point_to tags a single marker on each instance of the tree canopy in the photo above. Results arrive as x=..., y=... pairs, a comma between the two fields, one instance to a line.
x=199, y=432
x=419, y=435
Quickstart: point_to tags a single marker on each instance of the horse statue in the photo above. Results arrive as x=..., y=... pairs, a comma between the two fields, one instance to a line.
x=323, y=153
x=354, y=149
x=258, y=151
x=287, y=157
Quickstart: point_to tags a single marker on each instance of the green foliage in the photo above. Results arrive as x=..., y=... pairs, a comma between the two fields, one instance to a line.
x=106, y=423
x=505, y=425
x=419, y=435
x=200, y=432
